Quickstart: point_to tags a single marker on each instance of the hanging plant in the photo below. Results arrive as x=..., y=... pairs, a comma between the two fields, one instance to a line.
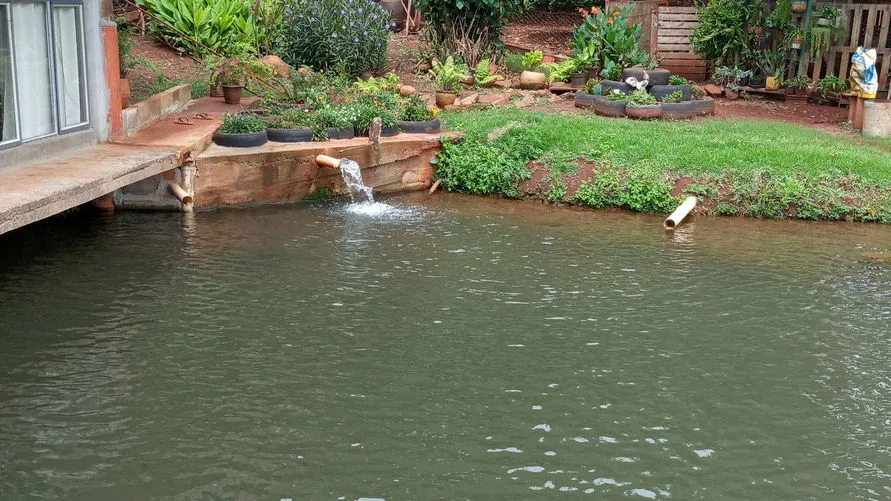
x=819, y=40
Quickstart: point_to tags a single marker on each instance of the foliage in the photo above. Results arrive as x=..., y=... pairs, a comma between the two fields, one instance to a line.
x=674, y=97
x=647, y=192
x=242, y=123
x=641, y=97
x=388, y=83
x=447, y=76
x=565, y=5
x=559, y=72
x=771, y=62
x=698, y=93
x=829, y=12
x=296, y=118
x=821, y=38
x=592, y=86
x=603, y=190
x=366, y=108
x=348, y=35
x=605, y=38
x=781, y=16
x=722, y=36
x=128, y=60
x=513, y=61
x=532, y=60
x=482, y=72
x=237, y=70
x=677, y=80
x=831, y=87
x=415, y=109
x=617, y=95
x=611, y=71
x=730, y=77
x=214, y=26
x=467, y=29
x=798, y=82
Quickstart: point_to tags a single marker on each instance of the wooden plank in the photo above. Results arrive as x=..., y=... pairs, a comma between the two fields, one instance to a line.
x=855, y=28
x=677, y=24
x=886, y=22
x=654, y=30
x=676, y=32
x=679, y=17
x=683, y=62
x=845, y=61
x=818, y=67
x=674, y=40
x=674, y=47
x=870, y=26
x=677, y=10
x=680, y=55
x=830, y=62
x=883, y=74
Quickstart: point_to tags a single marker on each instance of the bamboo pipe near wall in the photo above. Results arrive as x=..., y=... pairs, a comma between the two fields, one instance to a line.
x=325, y=160
x=181, y=195
x=679, y=214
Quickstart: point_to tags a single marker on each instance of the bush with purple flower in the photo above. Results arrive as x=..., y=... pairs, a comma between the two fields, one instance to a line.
x=348, y=35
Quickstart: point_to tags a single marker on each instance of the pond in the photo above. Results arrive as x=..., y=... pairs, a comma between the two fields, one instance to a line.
x=455, y=348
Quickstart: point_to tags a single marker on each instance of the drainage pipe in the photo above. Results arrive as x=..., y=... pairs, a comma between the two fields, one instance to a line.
x=680, y=213
x=181, y=194
x=326, y=161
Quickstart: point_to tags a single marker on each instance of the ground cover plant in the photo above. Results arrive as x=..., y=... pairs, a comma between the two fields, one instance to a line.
x=755, y=168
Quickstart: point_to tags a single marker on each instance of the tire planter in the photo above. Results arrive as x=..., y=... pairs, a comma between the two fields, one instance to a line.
x=248, y=140
x=644, y=112
x=425, y=127
x=289, y=135
x=611, y=85
x=584, y=100
x=607, y=108
x=533, y=80
x=680, y=111
x=390, y=131
x=341, y=133
x=658, y=76
x=660, y=91
x=703, y=107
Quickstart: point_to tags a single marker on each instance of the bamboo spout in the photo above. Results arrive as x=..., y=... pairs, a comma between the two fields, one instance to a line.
x=680, y=213
x=181, y=194
x=327, y=161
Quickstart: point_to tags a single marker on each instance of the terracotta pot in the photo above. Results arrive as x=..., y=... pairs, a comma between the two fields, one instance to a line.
x=125, y=92
x=643, y=112
x=533, y=80
x=772, y=83
x=444, y=99
x=217, y=89
x=232, y=94
x=799, y=6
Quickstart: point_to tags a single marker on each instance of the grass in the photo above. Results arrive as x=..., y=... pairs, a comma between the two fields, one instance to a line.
x=741, y=167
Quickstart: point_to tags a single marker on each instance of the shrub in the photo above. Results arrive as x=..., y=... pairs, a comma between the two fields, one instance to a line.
x=646, y=192
x=388, y=82
x=607, y=37
x=482, y=72
x=532, y=60
x=617, y=95
x=467, y=29
x=348, y=35
x=640, y=97
x=366, y=108
x=722, y=36
x=447, y=76
x=296, y=118
x=675, y=97
x=677, y=80
x=601, y=191
x=415, y=109
x=242, y=123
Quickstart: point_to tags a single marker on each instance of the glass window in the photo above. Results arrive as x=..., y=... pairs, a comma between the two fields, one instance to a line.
x=8, y=130
x=33, y=69
x=70, y=87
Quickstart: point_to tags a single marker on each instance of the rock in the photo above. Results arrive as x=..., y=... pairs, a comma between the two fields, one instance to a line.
x=280, y=68
x=469, y=99
x=494, y=99
x=713, y=90
x=468, y=80
x=567, y=95
x=503, y=84
x=499, y=78
x=528, y=100
x=407, y=90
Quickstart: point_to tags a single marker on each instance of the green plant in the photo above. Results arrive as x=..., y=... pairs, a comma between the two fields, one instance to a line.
x=127, y=59
x=366, y=108
x=730, y=77
x=831, y=87
x=780, y=17
x=617, y=95
x=611, y=71
x=592, y=86
x=641, y=97
x=606, y=37
x=647, y=192
x=447, y=76
x=296, y=118
x=242, y=123
x=798, y=82
x=698, y=93
x=820, y=39
x=513, y=61
x=348, y=35
x=603, y=190
x=388, y=82
x=829, y=12
x=532, y=60
x=415, y=109
x=482, y=72
x=722, y=36
x=467, y=29
x=213, y=26
x=678, y=80
x=674, y=97
x=559, y=72
x=771, y=62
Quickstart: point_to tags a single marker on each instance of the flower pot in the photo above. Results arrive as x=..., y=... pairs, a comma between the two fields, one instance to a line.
x=125, y=92
x=756, y=82
x=703, y=107
x=771, y=83
x=744, y=81
x=578, y=79
x=822, y=21
x=289, y=135
x=341, y=132
x=644, y=112
x=799, y=6
x=795, y=43
x=444, y=99
x=232, y=94
x=468, y=80
x=606, y=108
x=248, y=140
x=421, y=127
x=533, y=80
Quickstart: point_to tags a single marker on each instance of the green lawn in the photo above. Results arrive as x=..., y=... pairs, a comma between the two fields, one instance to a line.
x=739, y=167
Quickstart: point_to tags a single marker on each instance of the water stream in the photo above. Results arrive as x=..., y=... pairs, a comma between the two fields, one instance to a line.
x=352, y=175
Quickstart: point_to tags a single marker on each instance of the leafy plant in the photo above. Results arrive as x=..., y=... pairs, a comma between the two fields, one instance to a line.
x=674, y=97
x=242, y=123
x=730, y=78
x=128, y=60
x=677, y=80
x=532, y=60
x=821, y=38
x=781, y=16
x=214, y=26
x=831, y=87
x=641, y=97
x=592, y=86
x=559, y=72
x=606, y=37
x=365, y=109
x=447, y=76
x=611, y=71
x=513, y=61
x=388, y=83
x=482, y=72
x=348, y=35
x=617, y=95
x=722, y=36
x=698, y=93
x=798, y=82
x=296, y=118
x=771, y=62
x=415, y=109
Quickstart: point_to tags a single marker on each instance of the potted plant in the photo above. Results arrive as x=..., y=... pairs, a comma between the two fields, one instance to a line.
x=799, y=6
x=366, y=108
x=828, y=15
x=642, y=105
x=415, y=117
x=233, y=73
x=578, y=74
x=613, y=105
x=293, y=126
x=772, y=64
x=532, y=77
x=241, y=130
x=732, y=79
x=797, y=87
x=332, y=122
x=447, y=80
x=796, y=37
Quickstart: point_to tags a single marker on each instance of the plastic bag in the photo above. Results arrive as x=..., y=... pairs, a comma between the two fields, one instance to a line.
x=864, y=79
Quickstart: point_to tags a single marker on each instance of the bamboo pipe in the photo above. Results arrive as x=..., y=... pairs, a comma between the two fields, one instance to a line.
x=680, y=213
x=327, y=161
x=181, y=195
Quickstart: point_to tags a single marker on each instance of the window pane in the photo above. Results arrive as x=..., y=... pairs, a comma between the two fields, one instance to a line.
x=67, y=28
x=7, y=83
x=32, y=69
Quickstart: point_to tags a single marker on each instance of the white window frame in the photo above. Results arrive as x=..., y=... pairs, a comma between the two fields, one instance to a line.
x=15, y=89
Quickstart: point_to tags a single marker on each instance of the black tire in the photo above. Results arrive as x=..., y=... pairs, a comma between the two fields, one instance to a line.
x=341, y=133
x=658, y=76
x=240, y=140
x=704, y=107
x=289, y=135
x=584, y=100
x=610, y=85
x=423, y=127
x=660, y=91
x=390, y=131
x=679, y=111
x=607, y=108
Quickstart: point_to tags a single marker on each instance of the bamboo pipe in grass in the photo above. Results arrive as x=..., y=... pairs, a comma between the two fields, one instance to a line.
x=680, y=213
x=326, y=161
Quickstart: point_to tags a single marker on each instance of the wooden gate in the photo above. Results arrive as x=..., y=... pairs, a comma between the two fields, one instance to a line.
x=670, y=41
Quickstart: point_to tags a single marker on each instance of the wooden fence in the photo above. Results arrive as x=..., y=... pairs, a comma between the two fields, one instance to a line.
x=670, y=41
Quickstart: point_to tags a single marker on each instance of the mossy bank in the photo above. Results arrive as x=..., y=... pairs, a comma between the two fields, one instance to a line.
x=735, y=167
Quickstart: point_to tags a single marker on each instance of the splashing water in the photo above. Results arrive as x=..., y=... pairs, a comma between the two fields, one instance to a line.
x=353, y=177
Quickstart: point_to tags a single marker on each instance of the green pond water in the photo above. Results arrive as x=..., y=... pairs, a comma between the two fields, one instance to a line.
x=456, y=348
